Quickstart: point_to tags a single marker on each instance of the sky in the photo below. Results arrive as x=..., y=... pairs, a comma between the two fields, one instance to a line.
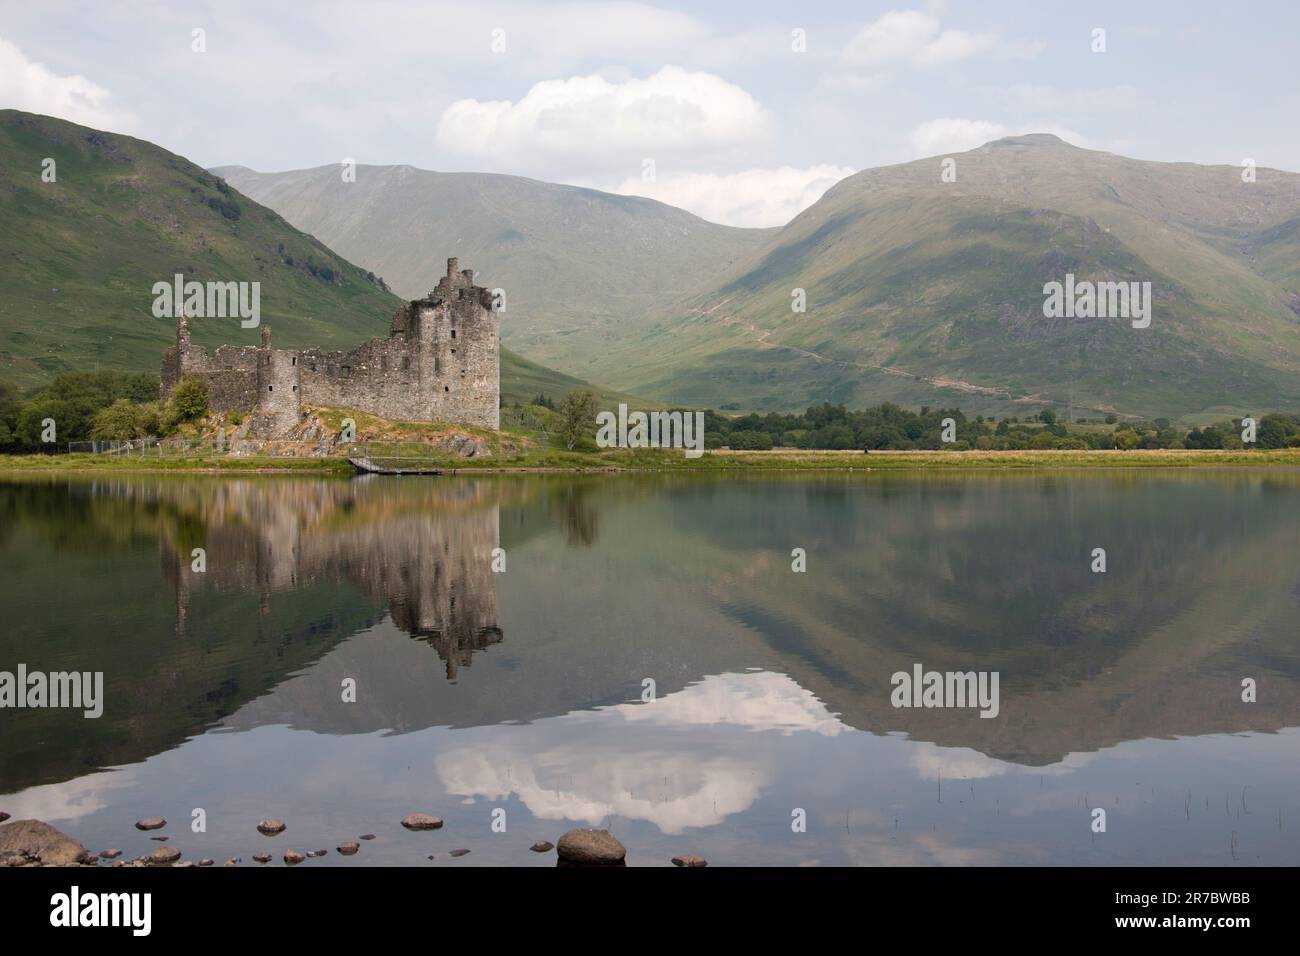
x=741, y=112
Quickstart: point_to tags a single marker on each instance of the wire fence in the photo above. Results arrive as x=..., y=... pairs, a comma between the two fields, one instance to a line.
x=153, y=448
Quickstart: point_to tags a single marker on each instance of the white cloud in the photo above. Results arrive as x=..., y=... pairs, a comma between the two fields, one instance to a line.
x=754, y=197
x=592, y=122
x=953, y=135
x=690, y=759
x=913, y=38
x=30, y=86
x=950, y=135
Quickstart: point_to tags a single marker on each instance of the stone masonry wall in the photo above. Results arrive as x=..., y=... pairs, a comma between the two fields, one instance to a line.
x=440, y=362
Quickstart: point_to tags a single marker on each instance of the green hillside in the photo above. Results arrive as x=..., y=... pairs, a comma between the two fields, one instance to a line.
x=81, y=254
x=924, y=292
x=581, y=268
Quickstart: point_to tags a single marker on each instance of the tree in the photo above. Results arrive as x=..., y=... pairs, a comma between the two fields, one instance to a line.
x=190, y=399
x=118, y=422
x=577, y=417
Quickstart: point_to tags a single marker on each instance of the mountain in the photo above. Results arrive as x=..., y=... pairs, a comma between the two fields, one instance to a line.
x=580, y=268
x=923, y=291
x=81, y=253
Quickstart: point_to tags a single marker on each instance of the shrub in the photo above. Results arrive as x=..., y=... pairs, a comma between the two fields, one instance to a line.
x=190, y=399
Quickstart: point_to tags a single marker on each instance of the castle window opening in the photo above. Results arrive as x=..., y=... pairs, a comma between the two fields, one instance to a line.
x=453, y=333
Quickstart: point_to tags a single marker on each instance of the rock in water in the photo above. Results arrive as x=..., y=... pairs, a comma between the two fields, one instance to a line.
x=459, y=852
x=270, y=827
x=206, y=862
x=293, y=859
x=542, y=846
x=688, y=860
x=110, y=854
x=262, y=857
x=164, y=855
x=421, y=821
x=591, y=848
x=367, y=836
x=151, y=823
x=349, y=848
x=38, y=841
x=3, y=816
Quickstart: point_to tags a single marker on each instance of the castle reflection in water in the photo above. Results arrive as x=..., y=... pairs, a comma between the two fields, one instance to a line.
x=427, y=555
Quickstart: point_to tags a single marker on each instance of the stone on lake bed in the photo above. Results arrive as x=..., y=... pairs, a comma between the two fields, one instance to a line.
x=293, y=858
x=206, y=862
x=367, y=836
x=459, y=852
x=151, y=823
x=421, y=821
x=542, y=846
x=164, y=855
x=313, y=853
x=689, y=860
x=110, y=854
x=35, y=840
x=591, y=848
x=270, y=827
x=262, y=857
x=349, y=848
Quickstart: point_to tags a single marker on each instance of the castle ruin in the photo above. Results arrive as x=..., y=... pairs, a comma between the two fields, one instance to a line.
x=440, y=362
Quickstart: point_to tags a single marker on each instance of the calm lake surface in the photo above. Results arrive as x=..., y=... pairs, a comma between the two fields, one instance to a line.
x=523, y=690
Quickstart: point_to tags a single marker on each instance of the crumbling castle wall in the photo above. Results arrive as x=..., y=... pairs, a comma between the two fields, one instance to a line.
x=440, y=362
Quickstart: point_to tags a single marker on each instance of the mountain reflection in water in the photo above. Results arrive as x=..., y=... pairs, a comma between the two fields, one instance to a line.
x=526, y=689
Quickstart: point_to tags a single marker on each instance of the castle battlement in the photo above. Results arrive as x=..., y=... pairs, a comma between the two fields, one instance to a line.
x=440, y=362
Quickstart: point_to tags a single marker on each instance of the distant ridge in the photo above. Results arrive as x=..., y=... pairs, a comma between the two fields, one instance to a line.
x=82, y=253
x=579, y=267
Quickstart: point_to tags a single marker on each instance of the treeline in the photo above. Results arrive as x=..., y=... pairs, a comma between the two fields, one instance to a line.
x=105, y=406
x=891, y=427
x=98, y=406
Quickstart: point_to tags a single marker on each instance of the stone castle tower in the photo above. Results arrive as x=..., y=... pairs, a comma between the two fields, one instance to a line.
x=440, y=362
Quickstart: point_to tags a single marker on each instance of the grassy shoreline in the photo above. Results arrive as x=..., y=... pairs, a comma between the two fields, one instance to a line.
x=648, y=460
